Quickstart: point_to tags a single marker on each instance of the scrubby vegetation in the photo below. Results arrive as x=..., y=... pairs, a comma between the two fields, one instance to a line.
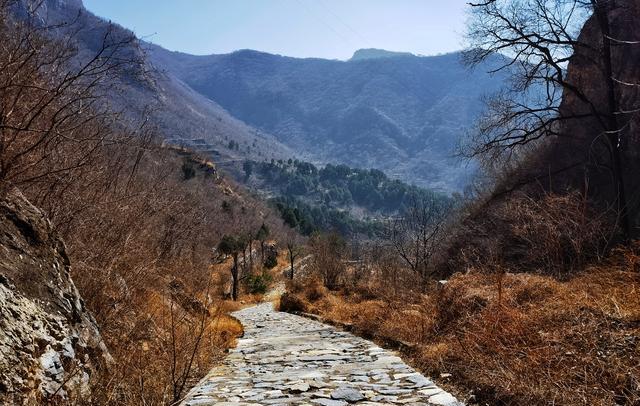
x=528, y=295
x=515, y=339
x=140, y=220
x=510, y=331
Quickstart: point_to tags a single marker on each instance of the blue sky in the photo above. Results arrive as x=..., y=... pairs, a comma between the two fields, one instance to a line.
x=303, y=28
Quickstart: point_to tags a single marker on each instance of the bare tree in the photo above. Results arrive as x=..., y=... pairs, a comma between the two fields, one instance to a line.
x=416, y=233
x=534, y=41
x=52, y=111
x=294, y=250
x=184, y=349
x=329, y=252
x=230, y=245
x=262, y=235
x=531, y=40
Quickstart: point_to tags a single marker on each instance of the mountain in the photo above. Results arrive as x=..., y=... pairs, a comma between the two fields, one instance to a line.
x=396, y=112
x=399, y=113
x=178, y=113
x=374, y=53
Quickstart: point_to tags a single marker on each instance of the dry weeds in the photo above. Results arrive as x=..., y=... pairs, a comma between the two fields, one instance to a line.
x=538, y=341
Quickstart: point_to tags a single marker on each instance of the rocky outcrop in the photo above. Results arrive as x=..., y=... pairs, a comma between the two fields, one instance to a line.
x=579, y=160
x=584, y=136
x=50, y=345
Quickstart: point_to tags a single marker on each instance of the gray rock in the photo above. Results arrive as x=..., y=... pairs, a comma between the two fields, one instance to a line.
x=49, y=342
x=443, y=399
x=299, y=388
x=419, y=381
x=351, y=395
x=393, y=391
x=329, y=402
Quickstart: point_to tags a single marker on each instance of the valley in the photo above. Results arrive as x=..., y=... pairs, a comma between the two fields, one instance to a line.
x=240, y=227
x=336, y=197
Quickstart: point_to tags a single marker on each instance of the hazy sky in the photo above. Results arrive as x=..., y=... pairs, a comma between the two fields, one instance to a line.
x=302, y=28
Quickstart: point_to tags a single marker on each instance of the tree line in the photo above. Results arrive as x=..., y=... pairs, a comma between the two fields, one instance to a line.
x=338, y=186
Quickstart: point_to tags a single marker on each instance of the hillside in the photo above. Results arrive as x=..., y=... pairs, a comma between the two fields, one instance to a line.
x=335, y=197
x=148, y=94
x=108, y=286
x=400, y=113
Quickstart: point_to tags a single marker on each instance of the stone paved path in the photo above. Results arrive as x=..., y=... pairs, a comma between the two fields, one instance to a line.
x=285, y=359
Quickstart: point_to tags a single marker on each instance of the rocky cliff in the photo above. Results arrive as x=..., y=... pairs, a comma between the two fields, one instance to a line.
x=577, y=164
x=584, y=141
x=49, y=343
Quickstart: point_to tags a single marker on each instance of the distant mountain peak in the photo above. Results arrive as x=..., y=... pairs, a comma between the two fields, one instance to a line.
x=374, y=53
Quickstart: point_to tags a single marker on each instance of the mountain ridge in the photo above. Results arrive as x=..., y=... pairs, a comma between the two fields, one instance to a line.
x=403, y=115
x=179, y=114
x=376, y=53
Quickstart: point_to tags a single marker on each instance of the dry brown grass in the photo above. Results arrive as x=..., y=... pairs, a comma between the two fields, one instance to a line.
x=534, y=341
x=567, y=341
x=140, y=220
x=549, y=233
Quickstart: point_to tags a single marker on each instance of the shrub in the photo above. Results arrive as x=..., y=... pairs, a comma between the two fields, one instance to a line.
x=315, y=290
x=329, y=251
x=559, y=233
x=290, y=302
x=259, y=283
x=550, y=234
x=188, y=171
x=270, y=261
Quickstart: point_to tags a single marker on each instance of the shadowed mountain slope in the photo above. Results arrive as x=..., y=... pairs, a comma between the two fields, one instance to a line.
x=396, y=112
x=181, y=115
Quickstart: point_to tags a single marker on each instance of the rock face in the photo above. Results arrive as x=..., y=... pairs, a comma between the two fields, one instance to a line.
x=49, y=343
x=583, y=138
x=580, y=155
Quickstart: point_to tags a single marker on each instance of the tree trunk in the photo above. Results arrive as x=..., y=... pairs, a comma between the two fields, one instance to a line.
x=614, y=129
x=250, y=256
x=234, y=278
x=244, y=260
x=291, y=259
